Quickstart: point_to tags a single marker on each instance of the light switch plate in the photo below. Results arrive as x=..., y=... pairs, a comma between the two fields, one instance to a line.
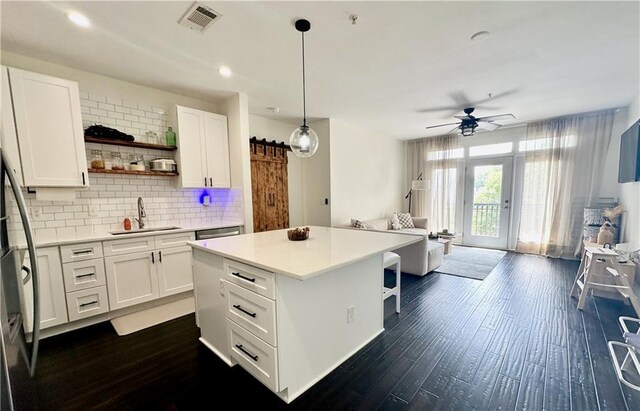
x=93, y=210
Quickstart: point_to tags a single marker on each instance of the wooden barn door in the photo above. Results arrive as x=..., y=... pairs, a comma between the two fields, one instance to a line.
x=269, y=182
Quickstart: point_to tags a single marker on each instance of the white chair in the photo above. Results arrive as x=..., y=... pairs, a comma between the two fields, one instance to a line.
x=631, y=346
x=392, y=259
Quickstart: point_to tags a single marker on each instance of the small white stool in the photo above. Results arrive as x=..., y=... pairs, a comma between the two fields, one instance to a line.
x=631, y=347
x=390, y=259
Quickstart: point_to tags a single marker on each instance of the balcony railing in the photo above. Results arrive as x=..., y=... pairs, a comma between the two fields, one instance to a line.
x=486, y=219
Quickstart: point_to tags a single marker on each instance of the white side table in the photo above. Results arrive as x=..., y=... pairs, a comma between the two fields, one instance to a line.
x=447, y=244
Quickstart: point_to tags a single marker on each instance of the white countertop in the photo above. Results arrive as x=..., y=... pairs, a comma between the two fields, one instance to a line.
x=105, y=236
x=326, y=249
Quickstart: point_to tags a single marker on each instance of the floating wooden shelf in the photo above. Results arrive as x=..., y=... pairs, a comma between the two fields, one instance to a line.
x=88, y=139
x=132, y=172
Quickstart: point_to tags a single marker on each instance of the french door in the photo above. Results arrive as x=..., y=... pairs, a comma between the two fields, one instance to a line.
x=487, y=202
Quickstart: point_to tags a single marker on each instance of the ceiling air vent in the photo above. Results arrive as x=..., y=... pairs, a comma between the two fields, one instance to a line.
x=199, y=17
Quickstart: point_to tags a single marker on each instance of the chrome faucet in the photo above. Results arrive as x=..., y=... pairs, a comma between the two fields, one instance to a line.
x=141, y=213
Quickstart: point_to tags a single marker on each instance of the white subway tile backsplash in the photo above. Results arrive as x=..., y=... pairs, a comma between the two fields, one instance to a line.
x=111, y=198
x=124, y=110
x=114, y=101
x=106, y=106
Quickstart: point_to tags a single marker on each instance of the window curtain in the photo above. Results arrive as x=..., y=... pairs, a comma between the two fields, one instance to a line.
x=564, y=161
x=436, y=159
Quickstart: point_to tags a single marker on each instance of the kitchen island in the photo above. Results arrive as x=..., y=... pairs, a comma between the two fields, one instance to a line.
x=289, y=312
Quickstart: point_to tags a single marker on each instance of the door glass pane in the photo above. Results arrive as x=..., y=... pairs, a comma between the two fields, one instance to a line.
x=487, y=192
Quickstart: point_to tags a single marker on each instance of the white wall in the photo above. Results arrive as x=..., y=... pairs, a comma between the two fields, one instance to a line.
x=316, y=171
x=630, y=193
x=366, y=174
x=262, y=127
x=236, y=108
x=609, y=186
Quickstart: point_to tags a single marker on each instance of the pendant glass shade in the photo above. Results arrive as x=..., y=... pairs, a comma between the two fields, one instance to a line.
x=304, y=141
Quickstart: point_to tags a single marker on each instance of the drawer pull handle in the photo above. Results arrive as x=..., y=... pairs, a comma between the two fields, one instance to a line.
x=85, y=275
x=253, y=280
x=87, y=251
x=239, y=308
x=241, y=348
x=89, y=303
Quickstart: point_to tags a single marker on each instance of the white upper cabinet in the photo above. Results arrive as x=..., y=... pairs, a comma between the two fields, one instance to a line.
x=9, y=141
x=217, y=146
x=49, y=128
x=191, y=154
x=203, y=149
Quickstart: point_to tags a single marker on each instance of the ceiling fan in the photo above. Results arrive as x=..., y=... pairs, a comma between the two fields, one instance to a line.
x=469, y=123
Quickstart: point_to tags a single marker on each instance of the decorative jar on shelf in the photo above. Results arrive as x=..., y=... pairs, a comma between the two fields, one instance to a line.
x=171, y=137
x=116, y=161
x=97, y=160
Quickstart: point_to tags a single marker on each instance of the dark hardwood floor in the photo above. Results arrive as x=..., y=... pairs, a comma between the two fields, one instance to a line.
x=512, y=341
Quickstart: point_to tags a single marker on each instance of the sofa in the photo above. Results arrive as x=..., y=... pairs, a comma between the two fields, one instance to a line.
x=418, y=258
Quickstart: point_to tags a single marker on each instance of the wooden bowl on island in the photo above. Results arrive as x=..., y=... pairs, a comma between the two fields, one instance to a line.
x=298, y=234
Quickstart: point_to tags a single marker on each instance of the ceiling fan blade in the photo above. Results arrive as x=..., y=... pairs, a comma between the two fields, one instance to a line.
x=499, y=95
x=442, y=125
x=488, y=126
x=453, y=129
x=463, y=117
x=436, y=109
x=497, y=117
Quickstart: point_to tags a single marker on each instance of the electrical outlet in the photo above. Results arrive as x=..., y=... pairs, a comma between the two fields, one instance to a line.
x=36, y=213
x=222, y=288
x=93, y=210
x=351, y=313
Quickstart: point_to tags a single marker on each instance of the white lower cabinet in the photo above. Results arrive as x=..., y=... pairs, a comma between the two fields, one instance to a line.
x=87, y=303
x=175, y=270
x=53, y=305
x=254, y=355
x=137, y=277
x=131, y=279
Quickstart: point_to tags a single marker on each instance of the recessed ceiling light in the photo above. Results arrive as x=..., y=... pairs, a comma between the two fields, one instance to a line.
x=225, y=71
x=481, y=35
x=78, y=19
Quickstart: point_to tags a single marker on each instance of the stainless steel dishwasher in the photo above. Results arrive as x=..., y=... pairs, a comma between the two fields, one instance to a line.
x=218, y=232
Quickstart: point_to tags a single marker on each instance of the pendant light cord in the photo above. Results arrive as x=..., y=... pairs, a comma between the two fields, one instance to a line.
x=304, y=87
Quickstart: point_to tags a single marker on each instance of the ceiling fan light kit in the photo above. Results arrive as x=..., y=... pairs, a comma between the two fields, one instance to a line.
x=303, y=140
x=469, y=122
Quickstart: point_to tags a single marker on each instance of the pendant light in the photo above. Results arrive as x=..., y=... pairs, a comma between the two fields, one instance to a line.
x=303, y=140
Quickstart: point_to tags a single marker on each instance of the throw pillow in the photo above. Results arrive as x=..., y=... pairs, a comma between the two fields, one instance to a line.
x=359, y=224
x=395, y=222
x=405, y=220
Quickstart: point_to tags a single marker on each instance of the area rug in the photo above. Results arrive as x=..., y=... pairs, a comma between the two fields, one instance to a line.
x=140, y=320
x=469, y=262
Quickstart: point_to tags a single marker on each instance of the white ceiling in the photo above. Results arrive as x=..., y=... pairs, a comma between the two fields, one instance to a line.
x=400, y=59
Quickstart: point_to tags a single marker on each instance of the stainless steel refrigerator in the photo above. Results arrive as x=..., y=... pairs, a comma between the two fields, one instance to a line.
x=18, y=359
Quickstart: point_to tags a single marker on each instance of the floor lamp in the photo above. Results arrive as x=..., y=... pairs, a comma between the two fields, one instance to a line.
x=419, y=185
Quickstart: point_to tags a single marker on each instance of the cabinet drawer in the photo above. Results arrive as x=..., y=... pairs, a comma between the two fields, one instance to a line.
x=80, y=252
x=254, y=355
x=251, y=278
x=87, y=303
x=130, y=245
x=81, y=275
x=253, y=312
x=173, y=240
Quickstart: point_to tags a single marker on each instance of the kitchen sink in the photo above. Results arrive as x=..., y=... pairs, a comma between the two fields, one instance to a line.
x=144, y=230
